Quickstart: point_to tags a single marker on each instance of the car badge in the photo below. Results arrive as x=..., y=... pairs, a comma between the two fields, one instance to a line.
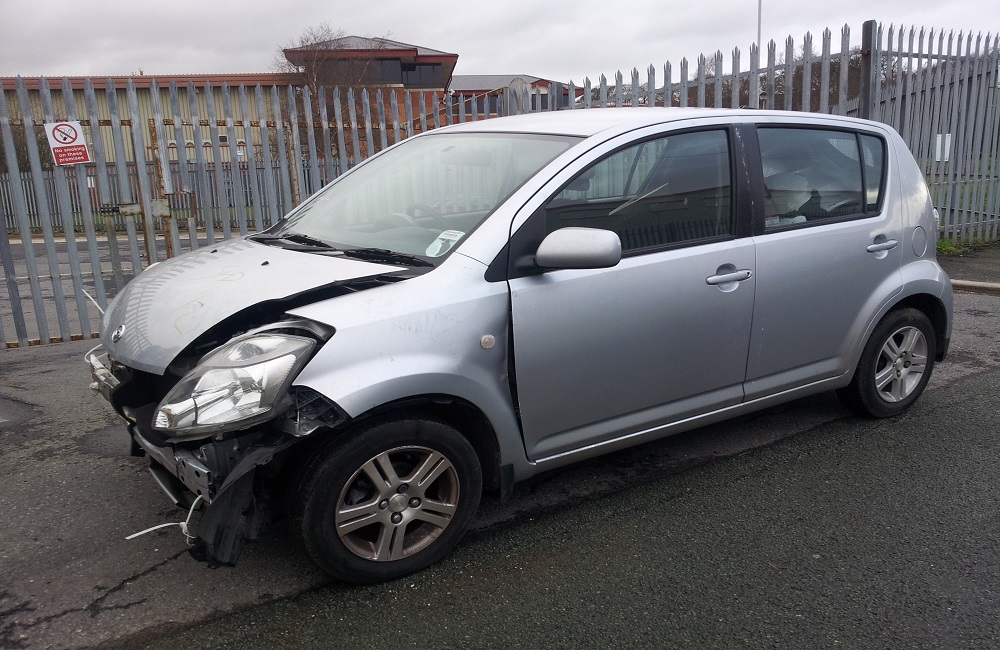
x=117, y=334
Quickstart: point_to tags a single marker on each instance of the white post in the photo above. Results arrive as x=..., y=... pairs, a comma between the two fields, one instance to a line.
x=759, y=3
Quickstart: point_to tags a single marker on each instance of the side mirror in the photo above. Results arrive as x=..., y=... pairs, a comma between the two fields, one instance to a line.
x=579, y=248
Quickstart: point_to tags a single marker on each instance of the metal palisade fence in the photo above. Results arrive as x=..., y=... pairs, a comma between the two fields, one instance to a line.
x=180, y=165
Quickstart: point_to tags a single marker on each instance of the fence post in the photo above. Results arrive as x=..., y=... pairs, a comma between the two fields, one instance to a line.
x=866, y=92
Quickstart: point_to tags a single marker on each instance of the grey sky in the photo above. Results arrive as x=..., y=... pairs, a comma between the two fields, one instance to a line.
x=556, y=39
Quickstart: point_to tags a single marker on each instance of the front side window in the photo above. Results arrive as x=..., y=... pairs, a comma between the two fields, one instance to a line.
x=815, y=175
x=425, y=196
x=658, y=192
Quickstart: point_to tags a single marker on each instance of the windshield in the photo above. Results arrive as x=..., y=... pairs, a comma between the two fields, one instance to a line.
x=421, y=198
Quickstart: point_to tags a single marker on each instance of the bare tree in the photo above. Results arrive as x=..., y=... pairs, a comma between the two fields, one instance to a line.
x=326, y=57
x=310, y=37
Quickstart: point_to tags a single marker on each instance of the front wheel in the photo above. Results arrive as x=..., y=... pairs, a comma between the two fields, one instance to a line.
x=895, y=366
x=388, y=500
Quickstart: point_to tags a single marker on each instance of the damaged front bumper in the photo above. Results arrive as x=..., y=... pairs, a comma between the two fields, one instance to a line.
x=222, y=471
x=105, y=381
x=224, y=475
x=170, y=464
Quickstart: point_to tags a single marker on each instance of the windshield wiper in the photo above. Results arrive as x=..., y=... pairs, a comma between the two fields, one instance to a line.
x=369, y=254
x=293, y=237
x=385, y=255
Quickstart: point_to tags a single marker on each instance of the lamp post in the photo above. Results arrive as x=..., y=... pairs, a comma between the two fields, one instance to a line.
x=759, y=3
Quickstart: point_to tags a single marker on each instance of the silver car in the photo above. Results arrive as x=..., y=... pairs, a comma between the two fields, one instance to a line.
x=488, y=301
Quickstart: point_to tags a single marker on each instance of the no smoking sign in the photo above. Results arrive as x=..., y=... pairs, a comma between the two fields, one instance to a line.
x=67, y=143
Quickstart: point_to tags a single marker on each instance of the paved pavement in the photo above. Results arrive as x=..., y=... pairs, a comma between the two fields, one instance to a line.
x=974, y=270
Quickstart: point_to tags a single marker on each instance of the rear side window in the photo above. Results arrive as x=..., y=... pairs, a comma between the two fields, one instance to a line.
x=873, y=154
x=661, y=192
x=815, y=175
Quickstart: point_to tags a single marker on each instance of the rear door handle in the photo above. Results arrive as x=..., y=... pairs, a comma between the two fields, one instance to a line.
x=882, y=246
x=735, y=276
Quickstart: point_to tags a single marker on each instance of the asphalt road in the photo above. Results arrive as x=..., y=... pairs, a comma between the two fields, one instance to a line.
x=801, y=526
x=852, y=534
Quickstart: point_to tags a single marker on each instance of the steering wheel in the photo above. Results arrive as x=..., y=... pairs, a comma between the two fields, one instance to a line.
x=409, y=218
x=840, y=207
x=431, y=215
x=397, y=220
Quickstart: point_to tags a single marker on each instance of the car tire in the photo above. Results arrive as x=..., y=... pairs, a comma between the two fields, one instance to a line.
x=388, y=499
x=895, y=366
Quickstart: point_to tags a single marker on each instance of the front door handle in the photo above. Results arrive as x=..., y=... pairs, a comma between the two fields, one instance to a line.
x=735, y=276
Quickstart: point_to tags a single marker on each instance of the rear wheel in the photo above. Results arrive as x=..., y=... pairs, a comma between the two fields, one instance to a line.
x=895, y=366
x=388, y=500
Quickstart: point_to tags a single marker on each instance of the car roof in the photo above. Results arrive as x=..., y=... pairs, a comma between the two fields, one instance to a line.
x=588, y=121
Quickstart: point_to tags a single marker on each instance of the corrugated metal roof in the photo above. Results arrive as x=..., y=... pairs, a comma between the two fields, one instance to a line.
x=163, y=80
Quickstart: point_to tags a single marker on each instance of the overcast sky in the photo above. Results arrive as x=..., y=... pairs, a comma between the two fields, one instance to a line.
x=555, y=39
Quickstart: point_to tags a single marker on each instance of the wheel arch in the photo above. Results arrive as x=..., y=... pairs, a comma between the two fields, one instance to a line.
x=932, y=307
x=460, y=414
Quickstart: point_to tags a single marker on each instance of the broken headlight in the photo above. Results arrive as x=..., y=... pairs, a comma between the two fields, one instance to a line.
x=234, y=386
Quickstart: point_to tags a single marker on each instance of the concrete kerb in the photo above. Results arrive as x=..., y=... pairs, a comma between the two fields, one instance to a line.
x=992, y=288
x=976, y=269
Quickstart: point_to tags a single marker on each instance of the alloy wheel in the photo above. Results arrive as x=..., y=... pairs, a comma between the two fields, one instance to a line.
x=397, y=503
x=901, y=364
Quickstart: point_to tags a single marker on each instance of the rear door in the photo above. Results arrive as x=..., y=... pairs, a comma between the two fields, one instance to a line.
x=828, y=254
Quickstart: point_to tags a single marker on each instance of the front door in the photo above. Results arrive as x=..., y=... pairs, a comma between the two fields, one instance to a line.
x=660, y=337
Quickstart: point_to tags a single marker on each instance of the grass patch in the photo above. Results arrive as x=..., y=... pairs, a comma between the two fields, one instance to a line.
x=947, y=247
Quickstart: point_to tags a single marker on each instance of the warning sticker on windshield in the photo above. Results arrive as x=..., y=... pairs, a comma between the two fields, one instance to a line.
x=444, y=243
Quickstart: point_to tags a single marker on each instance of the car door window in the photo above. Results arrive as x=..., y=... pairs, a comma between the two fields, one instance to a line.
x=814, y=175
x=872, y=149
x=658, y=192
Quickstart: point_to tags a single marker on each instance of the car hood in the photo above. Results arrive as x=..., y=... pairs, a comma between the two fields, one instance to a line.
x=170, y=304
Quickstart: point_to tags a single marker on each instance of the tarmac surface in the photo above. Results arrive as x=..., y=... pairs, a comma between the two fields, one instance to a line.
x=854, y=534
